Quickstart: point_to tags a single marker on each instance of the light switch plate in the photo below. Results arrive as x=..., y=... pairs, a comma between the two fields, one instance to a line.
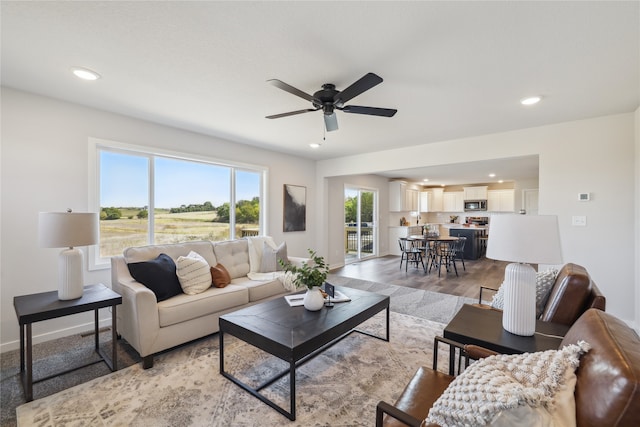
x=579, y=221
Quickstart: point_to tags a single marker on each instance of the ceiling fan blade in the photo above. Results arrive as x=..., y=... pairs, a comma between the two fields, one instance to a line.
x=288, y=88
x=291, y=113
x=331, y=122
x=372, y=111
x=365, y=83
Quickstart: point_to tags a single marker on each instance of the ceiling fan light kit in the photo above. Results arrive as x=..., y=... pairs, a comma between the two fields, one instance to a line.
x=328, y=99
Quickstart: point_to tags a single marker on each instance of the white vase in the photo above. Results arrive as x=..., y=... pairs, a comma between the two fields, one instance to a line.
x=313, y=299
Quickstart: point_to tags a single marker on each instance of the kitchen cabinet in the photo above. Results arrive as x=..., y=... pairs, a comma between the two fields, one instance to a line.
x=453, y=201
x=395, y=232
x=475, y=193
x=500, y=200
x=411, y=200
x=426, y=201
x=403, y=197
x=436, y=200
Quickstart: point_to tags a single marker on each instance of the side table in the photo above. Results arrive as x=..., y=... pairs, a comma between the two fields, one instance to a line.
x=46, y=305
x=483, y=327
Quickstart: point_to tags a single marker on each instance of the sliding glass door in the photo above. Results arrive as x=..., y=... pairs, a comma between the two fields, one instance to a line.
x=360, y=217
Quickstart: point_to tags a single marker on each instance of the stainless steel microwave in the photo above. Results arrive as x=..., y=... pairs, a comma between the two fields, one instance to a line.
x=475, y=205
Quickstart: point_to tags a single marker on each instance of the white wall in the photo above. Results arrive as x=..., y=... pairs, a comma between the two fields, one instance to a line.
x=44, y=167
x=636, y=256
x=595, y=155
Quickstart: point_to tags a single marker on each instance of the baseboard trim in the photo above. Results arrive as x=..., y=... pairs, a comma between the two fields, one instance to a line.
x=60, y=333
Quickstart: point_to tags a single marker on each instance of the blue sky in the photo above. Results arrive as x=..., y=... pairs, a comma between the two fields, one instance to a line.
x=124, y=182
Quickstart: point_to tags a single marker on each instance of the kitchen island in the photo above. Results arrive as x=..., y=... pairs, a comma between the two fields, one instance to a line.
x=472, y=248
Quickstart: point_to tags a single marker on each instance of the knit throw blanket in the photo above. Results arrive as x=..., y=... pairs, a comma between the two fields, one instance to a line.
x=500, y=382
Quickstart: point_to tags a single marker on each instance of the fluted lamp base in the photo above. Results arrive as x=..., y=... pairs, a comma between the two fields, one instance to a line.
x=519, y=311
x=70, y=274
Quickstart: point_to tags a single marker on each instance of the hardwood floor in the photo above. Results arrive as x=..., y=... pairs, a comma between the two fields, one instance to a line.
x=481, y=272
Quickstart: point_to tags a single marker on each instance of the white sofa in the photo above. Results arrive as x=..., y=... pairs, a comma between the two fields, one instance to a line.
x=151, y=326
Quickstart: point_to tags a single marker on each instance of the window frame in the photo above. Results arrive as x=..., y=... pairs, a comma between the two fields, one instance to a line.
x=97, y=145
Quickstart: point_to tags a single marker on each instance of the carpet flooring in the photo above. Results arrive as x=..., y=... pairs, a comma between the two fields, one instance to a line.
x=413, y=311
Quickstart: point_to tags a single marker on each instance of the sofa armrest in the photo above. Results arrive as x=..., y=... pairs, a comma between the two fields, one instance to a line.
x=485, y=288
x=138, y=319
x=476, y=352
x=384, y=408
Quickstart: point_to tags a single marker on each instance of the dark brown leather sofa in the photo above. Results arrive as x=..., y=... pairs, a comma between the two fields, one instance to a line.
x=571, y=295
x=607, y=391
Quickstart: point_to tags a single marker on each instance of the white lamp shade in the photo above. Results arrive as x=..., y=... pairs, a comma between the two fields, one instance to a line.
x=67, y=229
x=533, y=239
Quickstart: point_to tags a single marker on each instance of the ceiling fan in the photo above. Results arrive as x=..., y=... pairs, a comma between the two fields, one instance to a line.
x=328, y=99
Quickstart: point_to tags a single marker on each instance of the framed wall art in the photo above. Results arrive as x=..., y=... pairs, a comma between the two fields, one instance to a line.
x=295, y=208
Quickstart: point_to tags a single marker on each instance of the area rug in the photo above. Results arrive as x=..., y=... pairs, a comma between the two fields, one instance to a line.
x=340, y=387
x=421, y=303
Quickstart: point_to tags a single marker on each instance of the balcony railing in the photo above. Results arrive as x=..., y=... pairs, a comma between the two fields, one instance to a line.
x=351, y=239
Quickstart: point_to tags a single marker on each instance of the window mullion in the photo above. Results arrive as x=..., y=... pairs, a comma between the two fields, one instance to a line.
x=152, y=202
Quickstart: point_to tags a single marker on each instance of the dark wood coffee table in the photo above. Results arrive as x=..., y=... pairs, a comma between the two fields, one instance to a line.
x=296, y=335
x=483, y=327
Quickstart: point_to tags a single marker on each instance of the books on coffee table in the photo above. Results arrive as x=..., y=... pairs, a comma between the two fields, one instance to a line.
x=298, y=299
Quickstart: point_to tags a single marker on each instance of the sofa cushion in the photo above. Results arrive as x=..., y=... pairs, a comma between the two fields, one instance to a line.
x=145, y=253
x=260, y=289
x=220, y=276
x=159, y=275
x=193, y=273
x=234, y=255
x=183, y=307
x=271, y=257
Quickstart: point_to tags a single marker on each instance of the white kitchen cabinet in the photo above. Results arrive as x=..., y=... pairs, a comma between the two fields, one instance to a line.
x=475, y=193
x=403, y=197
x=436, y=200
x=394, y=234
x=411, y=200
x=426, y=201
x=500, y=200
x=453, y=201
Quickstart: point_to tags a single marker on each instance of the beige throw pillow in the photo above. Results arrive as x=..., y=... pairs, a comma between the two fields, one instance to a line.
x=193, y=273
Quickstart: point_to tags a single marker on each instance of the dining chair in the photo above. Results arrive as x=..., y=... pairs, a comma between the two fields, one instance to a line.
x=410, y=253
x=448, y=252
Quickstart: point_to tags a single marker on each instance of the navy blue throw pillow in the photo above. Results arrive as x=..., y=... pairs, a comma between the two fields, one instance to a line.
x=159, y=275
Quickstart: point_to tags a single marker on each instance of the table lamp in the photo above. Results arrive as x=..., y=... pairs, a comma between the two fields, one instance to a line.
x=68, y=230
x=522, y=239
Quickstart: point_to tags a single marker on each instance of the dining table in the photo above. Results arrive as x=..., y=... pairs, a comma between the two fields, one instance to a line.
x=429, y=247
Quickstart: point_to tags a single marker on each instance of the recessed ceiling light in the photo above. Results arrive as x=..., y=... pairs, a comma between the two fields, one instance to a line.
x=426, y=179
x=500, y=182
x=530, y=100
x=314, y=145
x=85, y=73
x=492, y=175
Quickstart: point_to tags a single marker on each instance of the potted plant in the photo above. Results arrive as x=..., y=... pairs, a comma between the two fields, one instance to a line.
x=311, y=274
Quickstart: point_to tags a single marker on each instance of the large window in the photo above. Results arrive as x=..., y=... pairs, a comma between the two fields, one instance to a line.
x=158, y=198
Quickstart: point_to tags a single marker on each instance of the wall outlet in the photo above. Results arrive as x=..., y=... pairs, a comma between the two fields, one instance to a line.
x=579, y=221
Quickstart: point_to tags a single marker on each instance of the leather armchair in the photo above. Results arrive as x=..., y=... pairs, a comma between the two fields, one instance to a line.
x=571, y=295
x=607, y=391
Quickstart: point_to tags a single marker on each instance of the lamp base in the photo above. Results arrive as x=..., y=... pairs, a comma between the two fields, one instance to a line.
x=519, y=314
x=70, y=274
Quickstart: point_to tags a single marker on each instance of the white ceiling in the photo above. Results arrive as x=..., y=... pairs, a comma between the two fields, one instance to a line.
x=452, y=69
